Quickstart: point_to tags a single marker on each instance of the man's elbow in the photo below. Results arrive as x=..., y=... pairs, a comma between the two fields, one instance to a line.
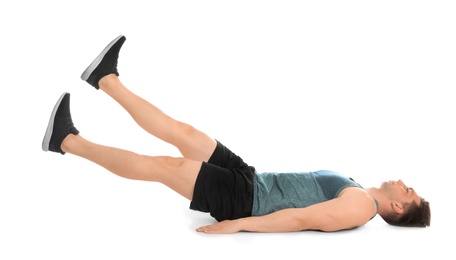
x=330, y=223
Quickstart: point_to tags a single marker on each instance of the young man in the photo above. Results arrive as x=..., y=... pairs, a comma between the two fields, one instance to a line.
x=218, y=181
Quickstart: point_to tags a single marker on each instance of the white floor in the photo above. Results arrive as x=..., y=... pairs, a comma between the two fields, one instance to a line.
x=363, y=89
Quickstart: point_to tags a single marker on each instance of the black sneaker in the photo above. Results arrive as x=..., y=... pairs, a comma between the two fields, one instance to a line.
x=60, y=125
x=105, y=63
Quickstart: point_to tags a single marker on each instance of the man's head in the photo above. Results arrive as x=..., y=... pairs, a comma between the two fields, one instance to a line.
x=406, y=208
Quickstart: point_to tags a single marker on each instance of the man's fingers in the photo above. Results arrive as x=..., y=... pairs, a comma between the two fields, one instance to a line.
x=217, y=228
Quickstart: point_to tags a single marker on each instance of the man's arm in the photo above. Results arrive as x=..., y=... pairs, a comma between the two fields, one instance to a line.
x=353, y=208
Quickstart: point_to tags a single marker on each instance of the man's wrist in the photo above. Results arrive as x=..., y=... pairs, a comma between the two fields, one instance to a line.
x=241, y=224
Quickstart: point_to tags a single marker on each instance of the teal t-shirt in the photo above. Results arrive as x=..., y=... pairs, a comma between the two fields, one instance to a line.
x=276, y=191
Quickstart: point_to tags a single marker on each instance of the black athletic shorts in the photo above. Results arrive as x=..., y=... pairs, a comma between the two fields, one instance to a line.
x=224, y=186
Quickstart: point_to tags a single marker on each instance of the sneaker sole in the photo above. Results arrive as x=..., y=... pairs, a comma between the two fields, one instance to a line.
x=47, y=136
x=86, y=74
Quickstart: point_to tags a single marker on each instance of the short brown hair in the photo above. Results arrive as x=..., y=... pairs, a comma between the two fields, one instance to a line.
x=413, y=216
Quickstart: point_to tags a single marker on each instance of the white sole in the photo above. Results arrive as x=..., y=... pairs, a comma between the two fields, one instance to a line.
x=86, y=74
x=48, y=134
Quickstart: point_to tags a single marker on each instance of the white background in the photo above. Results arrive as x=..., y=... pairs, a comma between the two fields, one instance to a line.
x=363, y=88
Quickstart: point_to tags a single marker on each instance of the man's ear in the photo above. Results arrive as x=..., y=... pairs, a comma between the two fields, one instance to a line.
x=397, y=207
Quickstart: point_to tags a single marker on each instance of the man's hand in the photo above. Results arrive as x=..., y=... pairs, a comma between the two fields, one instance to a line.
x=223, y=227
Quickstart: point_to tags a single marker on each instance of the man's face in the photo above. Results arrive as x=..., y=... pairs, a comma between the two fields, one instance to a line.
x=397, y=190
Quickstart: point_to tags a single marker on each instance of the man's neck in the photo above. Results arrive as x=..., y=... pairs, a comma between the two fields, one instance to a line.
x=377, y=195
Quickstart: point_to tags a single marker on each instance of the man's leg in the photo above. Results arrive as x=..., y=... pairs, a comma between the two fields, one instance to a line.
x=192, y=143
x=178, y=174
x=102, y=74
x=62, y=136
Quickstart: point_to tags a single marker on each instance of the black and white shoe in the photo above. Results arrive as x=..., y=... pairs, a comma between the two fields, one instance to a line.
x=105, y=63
x=60, y=125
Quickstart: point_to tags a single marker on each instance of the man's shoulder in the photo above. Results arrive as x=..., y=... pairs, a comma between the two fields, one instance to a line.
x=355, y=193
x=361, y=198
